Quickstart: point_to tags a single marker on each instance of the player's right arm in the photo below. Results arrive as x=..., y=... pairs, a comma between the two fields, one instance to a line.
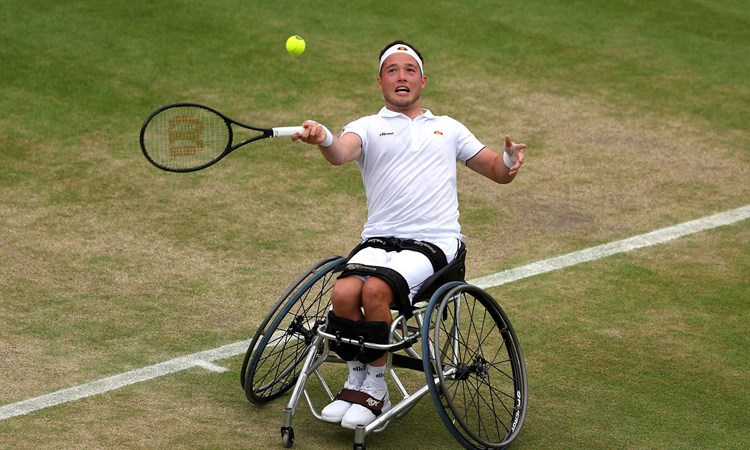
x=340, y=150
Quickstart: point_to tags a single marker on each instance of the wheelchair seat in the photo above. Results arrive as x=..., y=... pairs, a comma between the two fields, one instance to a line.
x=454, y=271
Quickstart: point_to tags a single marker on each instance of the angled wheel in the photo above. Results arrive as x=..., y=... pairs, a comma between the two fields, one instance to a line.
x=280, y=303
x=271, y=365
x=476, y=374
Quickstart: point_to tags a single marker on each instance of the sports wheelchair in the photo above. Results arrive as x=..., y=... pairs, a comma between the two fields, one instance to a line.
x=469, y=353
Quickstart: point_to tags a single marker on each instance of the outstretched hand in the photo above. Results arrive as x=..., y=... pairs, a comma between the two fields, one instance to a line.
x=314, y=133
x=515, y=153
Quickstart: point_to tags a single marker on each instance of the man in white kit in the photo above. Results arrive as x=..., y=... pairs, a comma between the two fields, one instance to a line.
x=407, y=157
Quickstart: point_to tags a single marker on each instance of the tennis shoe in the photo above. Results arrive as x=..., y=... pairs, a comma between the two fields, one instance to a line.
x=335, y=410
x=375, y=402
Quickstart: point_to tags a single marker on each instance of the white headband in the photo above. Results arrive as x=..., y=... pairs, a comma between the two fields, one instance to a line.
x=401, y=48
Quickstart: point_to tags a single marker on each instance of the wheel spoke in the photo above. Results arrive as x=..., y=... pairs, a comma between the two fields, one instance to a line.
x=282, y=345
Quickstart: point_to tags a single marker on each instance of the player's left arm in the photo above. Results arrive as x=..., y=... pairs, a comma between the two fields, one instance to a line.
x=495, y=166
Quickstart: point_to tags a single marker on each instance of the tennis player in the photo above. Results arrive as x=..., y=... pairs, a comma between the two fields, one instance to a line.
x=407, y=157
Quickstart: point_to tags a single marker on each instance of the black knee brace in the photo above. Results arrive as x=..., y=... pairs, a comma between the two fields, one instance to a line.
x=376, y=332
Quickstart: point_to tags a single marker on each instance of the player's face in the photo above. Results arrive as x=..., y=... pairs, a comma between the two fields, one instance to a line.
x=401, y=82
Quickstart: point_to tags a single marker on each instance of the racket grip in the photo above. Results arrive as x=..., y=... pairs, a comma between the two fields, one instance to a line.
x=286, y=131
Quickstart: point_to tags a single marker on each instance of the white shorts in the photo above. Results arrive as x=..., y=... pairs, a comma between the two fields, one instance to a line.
x=413, y=266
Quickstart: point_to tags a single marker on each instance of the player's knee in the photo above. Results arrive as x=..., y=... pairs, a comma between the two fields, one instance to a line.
x=376, y=293
x=345, y=291
x=346, y=296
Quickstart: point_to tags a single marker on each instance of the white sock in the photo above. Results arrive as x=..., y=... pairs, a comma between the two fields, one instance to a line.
x=357, y=372
x=377, y=375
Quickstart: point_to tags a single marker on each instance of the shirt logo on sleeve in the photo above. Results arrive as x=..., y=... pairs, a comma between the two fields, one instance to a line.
x=438, y=132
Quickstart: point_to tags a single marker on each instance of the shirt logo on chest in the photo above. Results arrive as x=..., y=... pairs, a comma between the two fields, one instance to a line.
x=386, y=133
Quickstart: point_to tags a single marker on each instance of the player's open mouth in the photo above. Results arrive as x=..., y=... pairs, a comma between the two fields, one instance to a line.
x=402, y=89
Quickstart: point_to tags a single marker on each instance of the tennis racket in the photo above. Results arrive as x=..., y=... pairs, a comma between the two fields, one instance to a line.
x=185, y=137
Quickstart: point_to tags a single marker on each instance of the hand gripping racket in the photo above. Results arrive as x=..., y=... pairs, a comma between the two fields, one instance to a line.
x=185, y=137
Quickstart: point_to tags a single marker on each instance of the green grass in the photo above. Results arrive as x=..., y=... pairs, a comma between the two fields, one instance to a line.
x=642, y=355
x=636, y=117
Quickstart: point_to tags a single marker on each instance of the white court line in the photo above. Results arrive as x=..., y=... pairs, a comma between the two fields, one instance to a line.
x=103, y=385
x=211, y=366
x=204, y=358
x=602, y=251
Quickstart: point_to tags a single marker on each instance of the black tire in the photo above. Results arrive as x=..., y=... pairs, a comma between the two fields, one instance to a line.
x=280, y=344
x=482, y=393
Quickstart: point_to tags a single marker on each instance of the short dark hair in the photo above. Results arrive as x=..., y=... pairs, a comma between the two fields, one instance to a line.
x=400, y=42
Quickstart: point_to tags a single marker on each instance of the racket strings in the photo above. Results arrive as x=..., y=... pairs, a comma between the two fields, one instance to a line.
x=186, y=137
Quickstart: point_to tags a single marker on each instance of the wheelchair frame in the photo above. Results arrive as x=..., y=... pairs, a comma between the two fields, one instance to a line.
x=291, y=345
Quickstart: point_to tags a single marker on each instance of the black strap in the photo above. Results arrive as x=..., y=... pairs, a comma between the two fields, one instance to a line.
x=363, y=399
x=391, y=244
x=374, y=332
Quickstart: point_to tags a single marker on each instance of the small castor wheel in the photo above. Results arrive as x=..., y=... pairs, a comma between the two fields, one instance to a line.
x=287, y=437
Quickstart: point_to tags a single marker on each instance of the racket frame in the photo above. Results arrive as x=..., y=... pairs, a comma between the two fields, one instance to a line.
x=265, y=133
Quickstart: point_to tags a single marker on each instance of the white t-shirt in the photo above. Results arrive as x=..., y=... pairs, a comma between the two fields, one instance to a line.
x=409, y=171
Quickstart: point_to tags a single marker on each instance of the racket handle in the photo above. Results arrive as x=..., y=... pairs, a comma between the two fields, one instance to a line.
x=286, y=131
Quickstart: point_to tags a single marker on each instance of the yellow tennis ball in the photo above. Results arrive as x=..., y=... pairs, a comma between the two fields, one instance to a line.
x=295, y=45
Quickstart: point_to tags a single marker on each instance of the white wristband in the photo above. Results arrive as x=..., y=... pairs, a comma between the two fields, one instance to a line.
x=506, y=159
x=329, y=137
